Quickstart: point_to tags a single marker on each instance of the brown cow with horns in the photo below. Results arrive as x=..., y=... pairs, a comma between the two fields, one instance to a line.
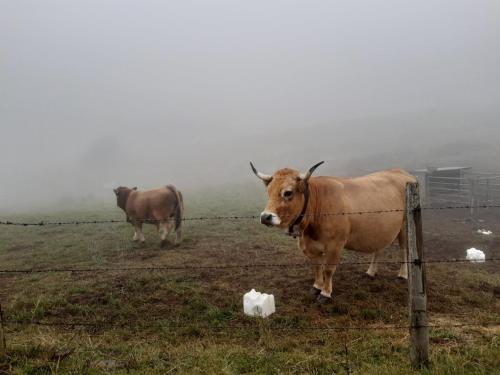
x=163, y=207
x=313, y=209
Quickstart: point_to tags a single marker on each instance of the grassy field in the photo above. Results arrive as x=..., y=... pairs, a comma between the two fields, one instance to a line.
x=191, y=321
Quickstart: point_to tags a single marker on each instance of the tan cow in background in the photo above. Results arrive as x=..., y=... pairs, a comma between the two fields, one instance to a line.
x=163, y=207
x=311, y=208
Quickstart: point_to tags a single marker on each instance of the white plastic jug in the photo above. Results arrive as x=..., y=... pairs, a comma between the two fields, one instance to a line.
x=475, y=255
x=485, y=232
x=258, y=304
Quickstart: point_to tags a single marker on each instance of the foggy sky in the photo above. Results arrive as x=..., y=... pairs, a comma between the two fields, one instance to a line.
x=95, y=93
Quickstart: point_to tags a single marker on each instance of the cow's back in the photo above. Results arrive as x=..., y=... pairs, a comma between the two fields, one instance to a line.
x=155, y=204
x=380, y=191
x=383, y=190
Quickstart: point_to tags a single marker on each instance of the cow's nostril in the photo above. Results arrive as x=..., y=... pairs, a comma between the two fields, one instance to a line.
x=266, y=218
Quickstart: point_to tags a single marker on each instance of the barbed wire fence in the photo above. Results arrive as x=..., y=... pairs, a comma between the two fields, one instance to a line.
x=230, y=217
x=229, y=266
x=419, y=262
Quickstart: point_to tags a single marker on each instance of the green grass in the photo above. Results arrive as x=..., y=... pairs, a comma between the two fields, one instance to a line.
x=191, y=321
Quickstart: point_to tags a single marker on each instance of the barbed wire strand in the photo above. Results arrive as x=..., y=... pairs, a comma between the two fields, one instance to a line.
x=231, y=217
x=231, y=266
x=153, y=323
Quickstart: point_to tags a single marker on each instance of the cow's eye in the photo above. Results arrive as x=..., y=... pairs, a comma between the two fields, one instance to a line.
x=287, y=193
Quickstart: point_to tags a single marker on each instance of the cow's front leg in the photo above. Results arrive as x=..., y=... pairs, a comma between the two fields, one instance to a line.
x=138, y=235
x=331, y=260
x=314, y=252
x=318, y=277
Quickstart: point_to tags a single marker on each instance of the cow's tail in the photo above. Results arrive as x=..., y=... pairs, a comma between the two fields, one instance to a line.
x=179, y=212
x=179, y=209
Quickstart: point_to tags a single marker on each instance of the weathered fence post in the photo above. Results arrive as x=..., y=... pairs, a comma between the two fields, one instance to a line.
x=488, y=195
x=427, y=188
x=417, y=290
x=3, y=348
x=472, y=198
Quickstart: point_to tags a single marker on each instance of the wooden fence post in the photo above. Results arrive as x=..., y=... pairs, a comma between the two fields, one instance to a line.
x=417, y=290
x=3, y=349
x=488, y=195
x=472, y=198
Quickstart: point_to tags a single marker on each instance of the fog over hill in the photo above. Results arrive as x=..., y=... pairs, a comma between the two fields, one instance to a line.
x=407, y=141
x=410, y=141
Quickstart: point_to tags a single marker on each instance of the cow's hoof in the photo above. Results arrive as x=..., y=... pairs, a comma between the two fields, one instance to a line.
x=401, y=279
x=163, y=244
x=314, y=292
x=322, y=300
x=366, y=275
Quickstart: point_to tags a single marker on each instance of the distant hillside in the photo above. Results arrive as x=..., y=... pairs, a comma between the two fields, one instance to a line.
x=364, y=144
x=352, y=147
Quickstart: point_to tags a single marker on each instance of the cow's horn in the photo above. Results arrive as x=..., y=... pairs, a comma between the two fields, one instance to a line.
x=264, y=177
x=306, y=176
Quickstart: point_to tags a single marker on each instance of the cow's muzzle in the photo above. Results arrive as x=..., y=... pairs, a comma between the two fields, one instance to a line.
x=269, y=219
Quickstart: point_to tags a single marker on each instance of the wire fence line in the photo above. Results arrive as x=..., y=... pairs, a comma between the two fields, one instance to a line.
x=230, y=266
x=154, y=323
x=470, y=189
x=235, y=217
x=159, y=323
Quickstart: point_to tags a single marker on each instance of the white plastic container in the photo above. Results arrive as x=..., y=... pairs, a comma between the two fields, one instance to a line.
x=475, y=256
x=258, y=304
x=485, y=232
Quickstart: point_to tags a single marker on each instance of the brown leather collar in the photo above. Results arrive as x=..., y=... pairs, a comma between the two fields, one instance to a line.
x=293, y=229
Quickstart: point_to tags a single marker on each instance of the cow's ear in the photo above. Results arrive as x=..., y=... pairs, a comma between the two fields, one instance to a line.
x=266, y=182
x=134, y=188
x=301, y=184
